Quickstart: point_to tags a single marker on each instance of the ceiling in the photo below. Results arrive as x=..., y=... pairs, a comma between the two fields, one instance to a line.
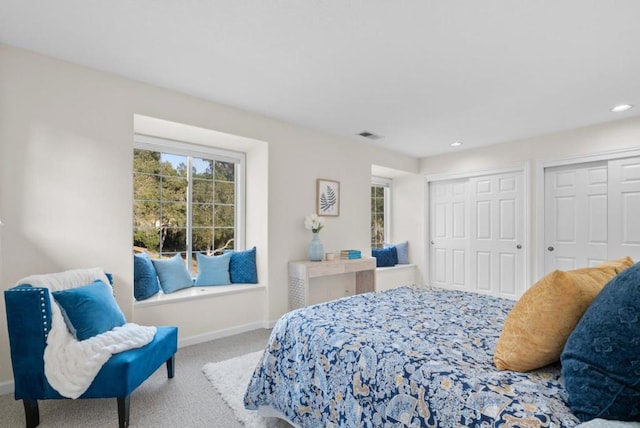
x=418, y=73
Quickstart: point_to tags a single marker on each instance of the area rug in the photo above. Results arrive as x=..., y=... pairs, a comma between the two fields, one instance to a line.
x=230, y=378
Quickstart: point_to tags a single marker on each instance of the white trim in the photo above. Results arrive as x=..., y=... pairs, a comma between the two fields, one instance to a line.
x=516, y=167
x=540, y=167
x=426, y=227
x=381, y=181
x=219, y=334
x=7, y=387
x=187, y=149
x=269, y=324
x=520, y=166
x=615, y=154
x=198, y=292
x=396, y=267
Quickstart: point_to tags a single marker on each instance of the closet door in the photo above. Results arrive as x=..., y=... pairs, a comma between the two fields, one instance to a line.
x=576, y=215
x=477, y=234
x=624, y=208
x=496, y=234
x=448, y=233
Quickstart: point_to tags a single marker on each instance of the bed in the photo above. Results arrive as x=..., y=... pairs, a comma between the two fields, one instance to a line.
x=411, y=356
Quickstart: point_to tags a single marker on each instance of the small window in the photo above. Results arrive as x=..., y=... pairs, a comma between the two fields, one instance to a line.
x=185, y=199
x=380, y=216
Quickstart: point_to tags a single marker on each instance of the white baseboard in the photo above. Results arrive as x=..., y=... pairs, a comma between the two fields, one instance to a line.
x=270, y=324
x=218, y=334
x=7, y=387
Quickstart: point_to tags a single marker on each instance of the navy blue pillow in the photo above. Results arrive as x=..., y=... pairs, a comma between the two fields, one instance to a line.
x=242, y=267
x=385, y=257
x=145, y=280
x=601, y=359
x=395, y=254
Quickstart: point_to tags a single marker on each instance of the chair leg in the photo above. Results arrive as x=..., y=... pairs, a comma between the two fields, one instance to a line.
x=32, y=413
x=171, y=364
x=123, y=411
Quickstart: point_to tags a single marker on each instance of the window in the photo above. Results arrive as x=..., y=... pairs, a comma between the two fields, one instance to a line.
x=380, y=194
x=186, y=199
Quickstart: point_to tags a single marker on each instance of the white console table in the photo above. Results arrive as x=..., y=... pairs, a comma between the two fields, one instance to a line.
x=300, y=272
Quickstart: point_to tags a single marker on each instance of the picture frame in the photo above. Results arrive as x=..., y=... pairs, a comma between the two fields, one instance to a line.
x=327, y=197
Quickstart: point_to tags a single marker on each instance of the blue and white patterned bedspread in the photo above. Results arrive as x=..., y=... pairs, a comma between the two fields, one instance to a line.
x=404, y=357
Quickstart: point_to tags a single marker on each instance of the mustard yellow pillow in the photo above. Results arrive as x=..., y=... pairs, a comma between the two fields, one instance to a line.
x=618, y=264
x=539, y=324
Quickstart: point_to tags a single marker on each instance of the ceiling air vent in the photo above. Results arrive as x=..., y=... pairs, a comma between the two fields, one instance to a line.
x=369, y=135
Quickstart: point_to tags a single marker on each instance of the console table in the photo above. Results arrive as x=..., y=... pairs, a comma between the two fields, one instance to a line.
x=300, y=272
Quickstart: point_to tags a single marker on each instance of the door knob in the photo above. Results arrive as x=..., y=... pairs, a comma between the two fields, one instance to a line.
x=550, y=248
x=518, y=246
x=432, y=242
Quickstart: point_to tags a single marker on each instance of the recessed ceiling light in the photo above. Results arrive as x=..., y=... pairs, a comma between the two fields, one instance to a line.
x=621, y=107
x=456, y=144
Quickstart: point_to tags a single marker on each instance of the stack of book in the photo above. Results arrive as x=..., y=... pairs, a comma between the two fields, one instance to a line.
x=350, y=254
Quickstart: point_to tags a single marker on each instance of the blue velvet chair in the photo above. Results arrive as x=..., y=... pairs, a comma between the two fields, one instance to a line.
x=28, y=320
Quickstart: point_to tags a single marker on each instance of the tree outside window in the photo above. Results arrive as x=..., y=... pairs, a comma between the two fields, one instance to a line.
x=182, y=204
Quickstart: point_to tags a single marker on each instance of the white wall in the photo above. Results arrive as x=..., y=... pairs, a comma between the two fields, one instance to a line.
x=66, y=182
x=408, y=218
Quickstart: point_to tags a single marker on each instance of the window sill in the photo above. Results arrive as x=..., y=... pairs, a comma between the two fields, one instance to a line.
x=193, y=293
x=399, y=266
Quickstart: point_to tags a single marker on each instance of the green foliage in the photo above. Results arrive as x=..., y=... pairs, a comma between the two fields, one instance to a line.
x=377, y=216
x=160, y=190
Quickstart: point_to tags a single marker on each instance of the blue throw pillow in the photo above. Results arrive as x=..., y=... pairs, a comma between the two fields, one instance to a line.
x=242, y=267
x=601, y=359
x=172, y=273
x=89, y=310
x=213, y=270
x=145, y=280
x=385, y=257
x=402, y=250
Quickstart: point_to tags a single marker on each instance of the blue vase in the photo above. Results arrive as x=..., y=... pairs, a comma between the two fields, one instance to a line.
x=316, y=250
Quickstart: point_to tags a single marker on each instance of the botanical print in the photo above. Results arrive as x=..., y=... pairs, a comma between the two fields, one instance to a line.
x=328, y=194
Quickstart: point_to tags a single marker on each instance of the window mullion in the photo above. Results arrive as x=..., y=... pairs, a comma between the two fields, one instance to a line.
x=189, y=233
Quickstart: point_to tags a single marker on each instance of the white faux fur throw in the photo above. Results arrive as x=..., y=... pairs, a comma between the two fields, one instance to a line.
x=71, y=365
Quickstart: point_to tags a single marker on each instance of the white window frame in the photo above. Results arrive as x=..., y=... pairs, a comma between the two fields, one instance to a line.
x=146, y=142
x=386, y=184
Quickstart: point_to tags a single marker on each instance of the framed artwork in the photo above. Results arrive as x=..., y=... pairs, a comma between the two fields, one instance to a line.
x=328, y=197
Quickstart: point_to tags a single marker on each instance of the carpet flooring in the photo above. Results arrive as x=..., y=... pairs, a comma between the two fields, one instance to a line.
x=188, y=400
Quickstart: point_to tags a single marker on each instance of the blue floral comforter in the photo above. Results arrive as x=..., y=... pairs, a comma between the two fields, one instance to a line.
x=405, y=357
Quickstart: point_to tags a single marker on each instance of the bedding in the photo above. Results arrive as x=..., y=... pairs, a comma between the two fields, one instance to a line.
x=403, y=357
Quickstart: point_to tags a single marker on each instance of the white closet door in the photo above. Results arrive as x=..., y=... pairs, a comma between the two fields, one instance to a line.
x=576, y=216
x=448, y=233
x=496, y=250
x=624, y=208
